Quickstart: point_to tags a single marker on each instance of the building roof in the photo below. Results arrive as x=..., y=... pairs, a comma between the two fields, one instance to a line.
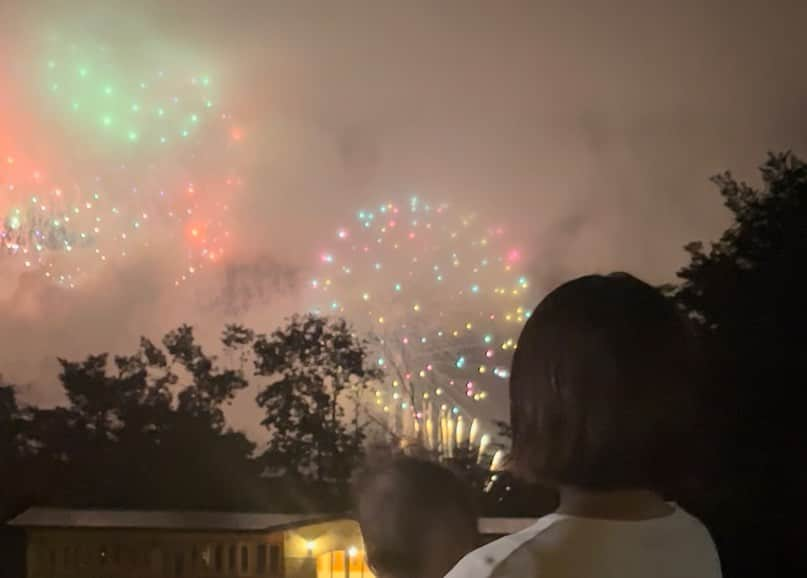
x=160, y=520
x=205, y=521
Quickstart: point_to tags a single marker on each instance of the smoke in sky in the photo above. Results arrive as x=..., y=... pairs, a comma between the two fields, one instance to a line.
x=589, y=129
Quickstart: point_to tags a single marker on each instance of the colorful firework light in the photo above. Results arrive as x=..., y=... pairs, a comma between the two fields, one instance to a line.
x=158, y=165
x=42, y=223
x=67, y=233
x=111, y=99
x=444, y=299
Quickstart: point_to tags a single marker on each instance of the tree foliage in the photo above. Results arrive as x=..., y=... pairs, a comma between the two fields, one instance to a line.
x=148, y=430
x=745, y=292
x=143, y=430
x=316, y=368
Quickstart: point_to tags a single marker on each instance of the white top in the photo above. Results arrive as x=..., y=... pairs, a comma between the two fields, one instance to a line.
x=561, y=546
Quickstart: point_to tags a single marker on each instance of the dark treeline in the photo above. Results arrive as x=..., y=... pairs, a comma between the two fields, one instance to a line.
x=148, y=431
x=745, y=293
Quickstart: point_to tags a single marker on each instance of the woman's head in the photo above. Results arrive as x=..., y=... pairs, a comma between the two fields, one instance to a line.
x=602, y=387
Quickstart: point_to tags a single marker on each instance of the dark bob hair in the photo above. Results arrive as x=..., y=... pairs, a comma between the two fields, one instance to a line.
x=603, y=387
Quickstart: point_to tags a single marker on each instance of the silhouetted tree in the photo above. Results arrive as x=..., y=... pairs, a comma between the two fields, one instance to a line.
x=145, y=430
x=10, y=426
x=746, y=295
x=315, y=365
x=12, y=441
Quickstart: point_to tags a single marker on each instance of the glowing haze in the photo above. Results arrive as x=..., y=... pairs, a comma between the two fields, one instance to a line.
x=587, y=129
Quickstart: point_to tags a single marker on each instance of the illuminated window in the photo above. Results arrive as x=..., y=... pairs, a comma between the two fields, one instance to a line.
x=355, y=562
x=339, y=564
x=206, y=556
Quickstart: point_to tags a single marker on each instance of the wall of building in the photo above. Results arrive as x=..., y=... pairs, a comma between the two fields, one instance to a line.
x=325, y=550
x=81, y=553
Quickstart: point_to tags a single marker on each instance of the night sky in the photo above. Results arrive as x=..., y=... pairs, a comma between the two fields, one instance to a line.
x=586, y=130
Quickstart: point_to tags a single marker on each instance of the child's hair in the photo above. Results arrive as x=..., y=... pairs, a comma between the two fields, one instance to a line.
x=602, y=388
x=417, y=518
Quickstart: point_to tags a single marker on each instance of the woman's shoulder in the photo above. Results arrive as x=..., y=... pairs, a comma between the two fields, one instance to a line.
x=524, y=554
x=487, y=560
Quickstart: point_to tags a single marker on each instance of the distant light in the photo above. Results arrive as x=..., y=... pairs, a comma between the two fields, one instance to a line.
x=352, y=551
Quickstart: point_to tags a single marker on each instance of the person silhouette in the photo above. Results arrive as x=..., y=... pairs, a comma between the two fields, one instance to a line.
x=602, y=393
x=417, y=518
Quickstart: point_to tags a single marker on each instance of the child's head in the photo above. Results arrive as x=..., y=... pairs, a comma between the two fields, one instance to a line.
x=417, y=518
x=601, y=389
